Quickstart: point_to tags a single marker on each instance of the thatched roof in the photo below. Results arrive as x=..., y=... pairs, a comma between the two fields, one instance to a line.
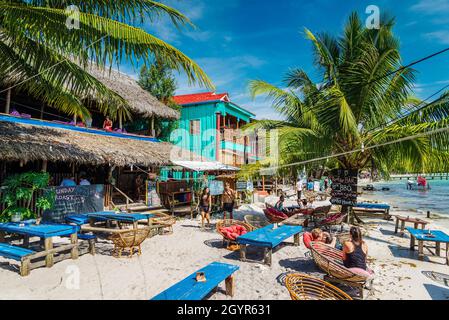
x=31, y=142
x=139, y=100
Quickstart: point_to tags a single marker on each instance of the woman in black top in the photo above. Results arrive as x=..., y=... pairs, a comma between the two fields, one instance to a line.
x=205, y=206
x=355, y=251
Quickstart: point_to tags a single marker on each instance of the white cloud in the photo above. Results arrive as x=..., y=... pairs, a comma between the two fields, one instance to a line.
x=431, y=7
x=440, y=36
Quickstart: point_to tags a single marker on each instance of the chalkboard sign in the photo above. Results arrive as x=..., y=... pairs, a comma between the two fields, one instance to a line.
x=241, y=186
x=75, y=200
x=344, y=187
x=216, y=187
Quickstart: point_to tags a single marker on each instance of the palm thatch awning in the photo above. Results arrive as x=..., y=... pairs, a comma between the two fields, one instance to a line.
x=31, y=140
x=139, y=100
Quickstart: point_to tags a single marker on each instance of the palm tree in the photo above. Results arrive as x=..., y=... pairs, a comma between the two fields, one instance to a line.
x=353, y=105
x=40, y=55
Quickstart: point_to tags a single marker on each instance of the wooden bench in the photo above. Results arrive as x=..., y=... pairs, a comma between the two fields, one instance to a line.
x=19, y=254
x=90, y=239
x=190, y=289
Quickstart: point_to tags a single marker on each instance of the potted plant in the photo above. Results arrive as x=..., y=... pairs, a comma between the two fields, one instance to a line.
x=18, y=192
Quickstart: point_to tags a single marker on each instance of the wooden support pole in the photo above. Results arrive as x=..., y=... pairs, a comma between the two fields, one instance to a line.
x=44, y=165
x=120, y=121
x=42, y=111
x=8, y=101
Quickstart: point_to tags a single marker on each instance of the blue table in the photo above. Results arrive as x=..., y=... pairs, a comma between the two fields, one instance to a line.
x=268, y=238
x=190, y=289
x=45, y=232
x=119, y=217
x=423, y=236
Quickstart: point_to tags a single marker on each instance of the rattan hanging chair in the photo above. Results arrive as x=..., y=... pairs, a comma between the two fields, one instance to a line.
x=256, y=222
x=129, y=240
x=227, y=223
x=164, y=222
x=304, y=287
x=330, y=260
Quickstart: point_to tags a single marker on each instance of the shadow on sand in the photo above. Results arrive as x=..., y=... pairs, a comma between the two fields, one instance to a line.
x=436, y=292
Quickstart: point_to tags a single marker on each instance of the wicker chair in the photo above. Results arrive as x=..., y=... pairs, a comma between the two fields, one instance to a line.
x=163, y=221
x=228, y=223
x=338, y=221
x=256, y=222
x=272, y=218
x=304, y=287
x=129, y=240
x=343, y=237
x=330, y=260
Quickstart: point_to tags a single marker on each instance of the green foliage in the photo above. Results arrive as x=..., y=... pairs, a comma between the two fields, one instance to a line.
x=37, y=49
x=18, y=191
x=352, y=104
x=160, y=82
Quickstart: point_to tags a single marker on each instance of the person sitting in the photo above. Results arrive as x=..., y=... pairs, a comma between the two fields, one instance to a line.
x=318, y=235
x=107, y=124
x=279, y=206
x=83, y=180
x=68, y=182
x=355, y=252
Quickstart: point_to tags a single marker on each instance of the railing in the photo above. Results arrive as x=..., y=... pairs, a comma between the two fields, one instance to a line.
x=128, y=199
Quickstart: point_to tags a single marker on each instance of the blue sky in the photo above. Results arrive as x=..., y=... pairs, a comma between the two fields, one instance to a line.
x=239, y=40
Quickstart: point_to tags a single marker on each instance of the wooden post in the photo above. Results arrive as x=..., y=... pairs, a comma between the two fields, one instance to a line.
x=75, y=118
x=48, y=244
x=152, y=131
x=74, y=240
x=44, y=165
x=230, y=286
x=8, y=101
x=263, y=183
x=42, y=110
x=120, y=121
x=428, y=214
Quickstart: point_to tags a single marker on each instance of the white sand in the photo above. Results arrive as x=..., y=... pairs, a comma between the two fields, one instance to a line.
x=168, y=259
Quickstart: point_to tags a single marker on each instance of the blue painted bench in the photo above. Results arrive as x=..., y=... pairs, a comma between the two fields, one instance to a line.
x=19, y=254
x=268, y=238
x=190, y=289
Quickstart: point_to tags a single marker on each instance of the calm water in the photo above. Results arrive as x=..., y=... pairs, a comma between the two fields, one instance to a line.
x=435, y=200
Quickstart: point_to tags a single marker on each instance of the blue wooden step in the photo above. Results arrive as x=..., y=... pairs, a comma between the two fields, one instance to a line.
x=14, y=252
x=86, y=236
x=190, y=289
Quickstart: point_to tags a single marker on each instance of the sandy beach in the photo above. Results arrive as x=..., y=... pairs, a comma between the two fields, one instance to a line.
x=167, y=259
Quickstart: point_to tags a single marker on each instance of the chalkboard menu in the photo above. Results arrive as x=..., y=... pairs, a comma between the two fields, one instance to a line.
x=75, y=200
x=344, y=187
x=241, y=185
x=216, y=187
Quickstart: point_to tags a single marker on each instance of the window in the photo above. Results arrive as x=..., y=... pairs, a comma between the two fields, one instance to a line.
x=194, y=127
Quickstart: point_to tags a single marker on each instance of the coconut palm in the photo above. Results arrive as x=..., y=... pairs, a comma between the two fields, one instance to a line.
x=353, y=104
x=44, y=53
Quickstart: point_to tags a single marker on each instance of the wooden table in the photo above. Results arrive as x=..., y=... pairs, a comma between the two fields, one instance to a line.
x=133, y=218
x=268, y=238
x=295, y=220
x=46, y=232
x=416, y=223
x=422, y=236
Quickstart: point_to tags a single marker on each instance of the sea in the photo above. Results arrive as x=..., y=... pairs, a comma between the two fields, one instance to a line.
x=435, y=200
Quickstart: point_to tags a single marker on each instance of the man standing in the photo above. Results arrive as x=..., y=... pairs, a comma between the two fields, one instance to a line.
x=299, y=186
x=228, y=200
